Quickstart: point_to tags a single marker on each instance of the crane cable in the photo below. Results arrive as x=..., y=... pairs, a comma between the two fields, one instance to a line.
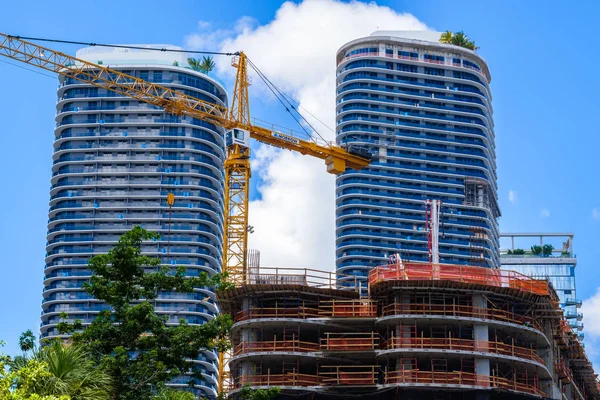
x=268, y=82
x=286, y=98
x=122, y=46
x=308, y=112
x=265, y=80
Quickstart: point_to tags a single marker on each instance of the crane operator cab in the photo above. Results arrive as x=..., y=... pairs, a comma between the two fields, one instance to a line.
x=358, y=151
x=237, y=136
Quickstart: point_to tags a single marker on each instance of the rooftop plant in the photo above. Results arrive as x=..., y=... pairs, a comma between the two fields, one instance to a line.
x=458, y=39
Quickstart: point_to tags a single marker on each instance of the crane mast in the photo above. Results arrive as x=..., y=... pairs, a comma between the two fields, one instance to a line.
x=236, y=121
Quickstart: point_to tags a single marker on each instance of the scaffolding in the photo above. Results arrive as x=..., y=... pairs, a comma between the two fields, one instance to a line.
x=488, y=277
x=477, y=238
x=478, y=193
x=417, y=330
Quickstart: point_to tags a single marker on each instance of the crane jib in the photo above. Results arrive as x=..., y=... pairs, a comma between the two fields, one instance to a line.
x=289, y=139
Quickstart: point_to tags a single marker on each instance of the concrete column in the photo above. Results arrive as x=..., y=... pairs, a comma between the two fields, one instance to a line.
x=481, y=338
x=568, y=392
x=247, y=335
x=556, y=393
x=401, y=299
x=247, y=368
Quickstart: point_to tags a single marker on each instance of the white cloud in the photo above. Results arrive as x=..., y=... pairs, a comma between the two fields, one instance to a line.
x=294, y=222
x=203, y=25
x=512, y=196
x=591, y=317
x=596, y=214
x=212, y=39
x=545, y=213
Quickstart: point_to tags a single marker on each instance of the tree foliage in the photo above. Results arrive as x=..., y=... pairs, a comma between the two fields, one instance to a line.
x=171, y=394
x=247, y=393
x=205, y=65
x=458, y=39
x=19, y=384
x=547, y=250
x=70, y=370
x=536, y=250
x=139, y=348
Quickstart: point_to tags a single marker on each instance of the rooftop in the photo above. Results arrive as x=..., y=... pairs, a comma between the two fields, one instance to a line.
x=117, y=55
x=429, y=36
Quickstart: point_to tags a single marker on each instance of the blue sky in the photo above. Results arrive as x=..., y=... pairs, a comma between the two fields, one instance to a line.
x=541, y=55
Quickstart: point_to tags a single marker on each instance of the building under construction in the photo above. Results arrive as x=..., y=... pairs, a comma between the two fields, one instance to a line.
x=423, y=331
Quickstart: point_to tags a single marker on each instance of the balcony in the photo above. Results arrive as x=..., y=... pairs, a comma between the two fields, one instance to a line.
x=573, y=314
x=576, y=325
x=325, y=309
x=449, y=344
x=350, y=342
x=460, y=311
x=573, y=302
x=275, y=345
x=369, y=375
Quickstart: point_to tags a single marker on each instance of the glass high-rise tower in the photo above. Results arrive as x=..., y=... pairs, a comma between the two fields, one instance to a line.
x=423, y=109
x=115, y=160
x=557, y=265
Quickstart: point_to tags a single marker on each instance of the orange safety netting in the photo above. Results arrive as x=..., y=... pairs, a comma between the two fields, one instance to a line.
x=459, y=311
x=458, y=273
x=274, y=345
x=371, y=375
x=493, y=347
x=350, y=343
x=348, y=308
x=287, y=379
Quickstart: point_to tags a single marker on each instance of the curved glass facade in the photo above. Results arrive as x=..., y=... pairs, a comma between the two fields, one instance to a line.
x=423, y=109
x=115, y=159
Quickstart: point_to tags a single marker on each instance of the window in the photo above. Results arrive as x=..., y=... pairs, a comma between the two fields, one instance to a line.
x=439, y=59
x=408, y=54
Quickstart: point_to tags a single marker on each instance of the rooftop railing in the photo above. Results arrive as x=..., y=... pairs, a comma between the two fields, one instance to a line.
x=460, y=274
x=300, y=276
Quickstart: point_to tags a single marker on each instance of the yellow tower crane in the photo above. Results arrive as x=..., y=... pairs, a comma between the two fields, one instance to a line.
x=236, y=121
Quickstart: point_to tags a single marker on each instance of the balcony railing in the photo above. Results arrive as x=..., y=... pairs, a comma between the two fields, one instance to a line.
x=459, y=311
x=493, y=347
x=371, y=341
x=401, y=57
x=458, y=273
x=298, y=276
x=361, y=375
x=275, y=345
x=350, y=341
x=285, y=379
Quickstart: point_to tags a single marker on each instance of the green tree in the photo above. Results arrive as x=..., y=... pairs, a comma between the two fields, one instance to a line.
x=458, y=39
x=247, y=393
x=194, y=63
x=171, y=394
x=205, y=65
x=519, y=252
x=71, y=371
x=139, y=348
x=446, y=37
x=19, y=384
x=547, y=250
x=536, y=250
